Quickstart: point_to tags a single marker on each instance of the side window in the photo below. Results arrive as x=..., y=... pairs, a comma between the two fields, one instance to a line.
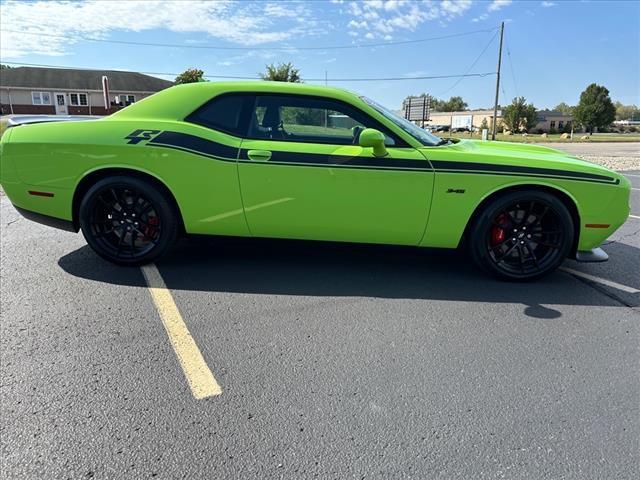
x=222, y=113
x=310, y=120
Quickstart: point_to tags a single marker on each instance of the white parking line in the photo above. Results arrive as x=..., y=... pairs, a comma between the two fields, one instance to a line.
x=199, y=377
x=630, y=175
x=602, y=281
x=636, y=189
x=634, y=216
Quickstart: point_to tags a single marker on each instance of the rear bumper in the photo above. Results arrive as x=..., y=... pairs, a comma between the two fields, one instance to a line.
x=47, y=220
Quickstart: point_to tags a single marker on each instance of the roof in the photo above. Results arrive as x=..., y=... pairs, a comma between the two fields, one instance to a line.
x=180, y=100
x=76, y=79
x=553, y=113
x=467, y=112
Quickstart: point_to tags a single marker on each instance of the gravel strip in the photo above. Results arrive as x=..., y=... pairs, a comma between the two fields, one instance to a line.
x=614, y=163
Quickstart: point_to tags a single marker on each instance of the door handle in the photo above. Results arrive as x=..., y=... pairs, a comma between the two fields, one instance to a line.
x=259, y=155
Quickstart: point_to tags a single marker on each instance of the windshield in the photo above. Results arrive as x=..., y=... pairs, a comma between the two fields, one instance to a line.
x=415, y=131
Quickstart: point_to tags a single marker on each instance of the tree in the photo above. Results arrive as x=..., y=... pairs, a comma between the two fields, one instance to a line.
x=519, y=115
x=190, y=75
x=454, y=104
x=627, y=112
x=564, y=108
x=484, y=125
x=595, y=108
x=283, y=72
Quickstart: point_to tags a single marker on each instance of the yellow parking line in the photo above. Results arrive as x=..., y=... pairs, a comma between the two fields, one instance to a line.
x=200, y=378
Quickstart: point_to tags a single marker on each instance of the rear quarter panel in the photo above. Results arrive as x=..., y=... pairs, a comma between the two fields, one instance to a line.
x=56, y=157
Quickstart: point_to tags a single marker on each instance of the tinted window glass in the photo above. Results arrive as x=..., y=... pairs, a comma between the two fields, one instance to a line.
x=223, y=113
x=309, y=120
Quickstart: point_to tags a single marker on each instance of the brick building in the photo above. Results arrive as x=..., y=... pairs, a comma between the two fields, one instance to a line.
x=61, y=91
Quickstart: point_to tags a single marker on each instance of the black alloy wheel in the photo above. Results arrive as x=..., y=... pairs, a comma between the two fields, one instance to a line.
x=128, y=221
x=522, y=235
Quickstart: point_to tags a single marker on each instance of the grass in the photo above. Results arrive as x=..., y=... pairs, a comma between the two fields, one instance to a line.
x=535, y=138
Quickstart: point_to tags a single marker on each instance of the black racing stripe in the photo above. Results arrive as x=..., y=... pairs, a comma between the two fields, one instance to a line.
x=201, y=146
x=470, y=167
x=319, y=159
x=527, y=175
x=194, y=144
x=355, y=167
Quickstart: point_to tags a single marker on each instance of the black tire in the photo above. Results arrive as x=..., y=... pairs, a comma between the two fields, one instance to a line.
x=522, y=235
x=128, y=221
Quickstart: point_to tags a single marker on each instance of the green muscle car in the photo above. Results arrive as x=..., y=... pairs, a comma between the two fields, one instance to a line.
x=262, y=159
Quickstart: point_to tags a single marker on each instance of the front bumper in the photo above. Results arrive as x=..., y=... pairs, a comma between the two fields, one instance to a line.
x=594, y=255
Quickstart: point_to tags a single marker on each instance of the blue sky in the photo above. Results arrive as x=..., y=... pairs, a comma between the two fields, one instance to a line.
x=554, y=49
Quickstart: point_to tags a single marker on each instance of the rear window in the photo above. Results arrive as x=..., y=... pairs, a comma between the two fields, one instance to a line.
x=221, y=113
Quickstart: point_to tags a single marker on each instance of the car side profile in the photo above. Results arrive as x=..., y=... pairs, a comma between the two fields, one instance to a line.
x=279, y=160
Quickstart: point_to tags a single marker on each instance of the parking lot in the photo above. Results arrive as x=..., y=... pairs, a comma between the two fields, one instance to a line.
x=282, y=359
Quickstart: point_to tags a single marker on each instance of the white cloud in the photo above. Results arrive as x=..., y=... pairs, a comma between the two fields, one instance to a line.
x=238, y=22
x=252, y=55
x=547, y=4
x=494, y=6
x=498, y=4
x=383, y=18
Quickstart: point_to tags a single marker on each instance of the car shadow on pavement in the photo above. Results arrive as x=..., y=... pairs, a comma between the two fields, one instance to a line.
x=287, y=267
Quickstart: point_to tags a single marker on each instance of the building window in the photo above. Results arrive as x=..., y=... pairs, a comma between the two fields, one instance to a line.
x=552, y=124
x=78, y=99
x=124, y=99
x=40, y=98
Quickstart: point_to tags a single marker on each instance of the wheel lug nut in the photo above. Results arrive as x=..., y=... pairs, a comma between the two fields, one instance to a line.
x=513, y=239
x=521, y=242
x=528, y=235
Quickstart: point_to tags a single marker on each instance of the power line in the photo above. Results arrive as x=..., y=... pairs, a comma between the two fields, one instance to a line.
x=233, y=77
x=455, y=84
x=220, y=47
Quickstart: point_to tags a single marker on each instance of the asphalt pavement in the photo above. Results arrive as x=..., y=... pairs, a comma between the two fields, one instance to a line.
x=334, y=361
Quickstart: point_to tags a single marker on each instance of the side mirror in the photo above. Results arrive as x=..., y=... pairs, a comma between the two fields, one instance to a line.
x=370, y=137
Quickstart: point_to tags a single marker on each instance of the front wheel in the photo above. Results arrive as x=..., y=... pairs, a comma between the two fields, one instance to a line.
x=522, y=235
x=128, y=221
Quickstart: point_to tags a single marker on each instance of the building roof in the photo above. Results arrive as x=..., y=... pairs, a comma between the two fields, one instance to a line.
x=468, y=112
x=76, y=79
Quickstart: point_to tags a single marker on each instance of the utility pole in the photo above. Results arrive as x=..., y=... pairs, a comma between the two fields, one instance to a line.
x=495, y=105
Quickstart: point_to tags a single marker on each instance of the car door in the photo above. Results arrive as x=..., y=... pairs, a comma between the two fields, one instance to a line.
x=303, y=175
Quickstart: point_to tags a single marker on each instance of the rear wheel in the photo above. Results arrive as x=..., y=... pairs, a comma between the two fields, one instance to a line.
x=128, y=221
x=522, y=235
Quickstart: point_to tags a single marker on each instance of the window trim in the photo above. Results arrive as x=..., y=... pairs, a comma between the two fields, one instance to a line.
x=250, y=99
x=245, y=111
x=79, y=103
x=399, y=142
x=40, y=95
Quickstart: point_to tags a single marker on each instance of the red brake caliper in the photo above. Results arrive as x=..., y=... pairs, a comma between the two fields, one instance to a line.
x=150, y=230
x=497, y=232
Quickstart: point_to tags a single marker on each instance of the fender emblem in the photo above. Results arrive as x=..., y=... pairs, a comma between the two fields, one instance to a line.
x=138, y=136
x=456, y=190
